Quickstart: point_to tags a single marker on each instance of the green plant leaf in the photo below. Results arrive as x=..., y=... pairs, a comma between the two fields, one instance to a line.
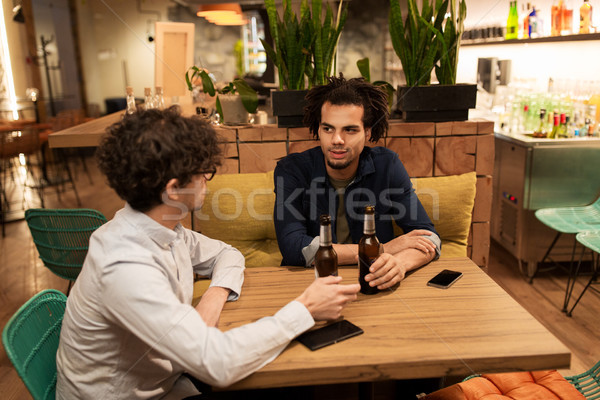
x=249, y=96
x=364, y=68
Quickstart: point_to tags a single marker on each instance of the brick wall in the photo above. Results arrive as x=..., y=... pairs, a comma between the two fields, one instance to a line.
x=425, y=149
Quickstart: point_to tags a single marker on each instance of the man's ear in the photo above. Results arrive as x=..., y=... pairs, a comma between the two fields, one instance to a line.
x=171, y=189
x=367, y=135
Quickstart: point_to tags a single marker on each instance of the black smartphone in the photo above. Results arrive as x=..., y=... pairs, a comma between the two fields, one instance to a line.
x=444, y=279
x=329, y=334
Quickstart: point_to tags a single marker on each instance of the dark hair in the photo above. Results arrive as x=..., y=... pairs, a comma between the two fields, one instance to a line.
x=146, y=149
x=356, y=91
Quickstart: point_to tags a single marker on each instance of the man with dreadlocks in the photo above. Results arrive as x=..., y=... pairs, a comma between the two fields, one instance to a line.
x=341, y=176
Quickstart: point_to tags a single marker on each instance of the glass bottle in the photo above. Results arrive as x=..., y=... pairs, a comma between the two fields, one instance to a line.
x=562, y=129
x=556, y=18
x=368, y=251
x=326, y=260
x=131, y=107
x=159, y=99
x=512, y=23
x=555, y=127
x=533, y=23
x=540, y=132
x=585, y=17
x=567, y=18
x=148, y=100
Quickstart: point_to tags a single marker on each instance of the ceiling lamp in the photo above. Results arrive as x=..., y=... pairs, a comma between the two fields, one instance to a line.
x=222, y=14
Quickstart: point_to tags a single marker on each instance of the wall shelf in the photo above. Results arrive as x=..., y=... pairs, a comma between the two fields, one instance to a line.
x=545, y=39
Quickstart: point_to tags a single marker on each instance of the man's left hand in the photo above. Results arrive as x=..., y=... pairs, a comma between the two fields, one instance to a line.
x=385, y=272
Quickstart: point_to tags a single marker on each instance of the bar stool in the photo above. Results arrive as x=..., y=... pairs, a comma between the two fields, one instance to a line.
x=590, y=240
x=569, y=220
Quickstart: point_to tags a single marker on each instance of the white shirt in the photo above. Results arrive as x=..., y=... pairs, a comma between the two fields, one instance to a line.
x=129, y=329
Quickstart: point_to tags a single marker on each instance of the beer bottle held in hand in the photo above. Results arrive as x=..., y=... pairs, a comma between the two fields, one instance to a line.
x=368, y=251
x=326, y=260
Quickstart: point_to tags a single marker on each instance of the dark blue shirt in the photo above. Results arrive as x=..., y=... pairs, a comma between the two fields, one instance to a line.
x=303, y=192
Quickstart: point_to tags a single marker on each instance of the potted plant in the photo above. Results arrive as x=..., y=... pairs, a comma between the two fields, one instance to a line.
x=364, y=67
x=426, y=41
x=236, y=96
x=304, y=53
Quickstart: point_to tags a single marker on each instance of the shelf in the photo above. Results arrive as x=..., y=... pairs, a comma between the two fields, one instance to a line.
x=545, y=39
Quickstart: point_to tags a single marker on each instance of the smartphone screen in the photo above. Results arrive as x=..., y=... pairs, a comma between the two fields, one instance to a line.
x=329, y=334
x=444, y=279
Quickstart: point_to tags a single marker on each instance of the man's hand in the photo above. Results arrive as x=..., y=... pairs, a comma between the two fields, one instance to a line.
x=325, y=298
x=411, y=240
x=211, y=304
x=386, y=271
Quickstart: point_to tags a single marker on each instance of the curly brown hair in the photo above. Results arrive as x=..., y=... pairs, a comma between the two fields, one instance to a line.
x=146, y=149
x=356, y=91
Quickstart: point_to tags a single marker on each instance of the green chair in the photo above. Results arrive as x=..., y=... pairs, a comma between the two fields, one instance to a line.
x=590, y=240
x=570, y=220
x=30, y=339
x=62, y=237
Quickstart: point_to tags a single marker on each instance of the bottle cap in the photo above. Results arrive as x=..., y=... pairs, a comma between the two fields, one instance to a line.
x=325, y=219
x=159, y=90
x=129, y=90
x=147, y=91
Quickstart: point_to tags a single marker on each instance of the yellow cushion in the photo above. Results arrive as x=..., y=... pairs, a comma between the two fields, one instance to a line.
x=448, y=201
x=238, y=207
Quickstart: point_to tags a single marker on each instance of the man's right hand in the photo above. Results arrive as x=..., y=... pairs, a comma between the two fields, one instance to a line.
x=325, y=298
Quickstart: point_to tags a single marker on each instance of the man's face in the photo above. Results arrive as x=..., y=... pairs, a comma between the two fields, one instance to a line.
x=342, y=137
x=193, y=193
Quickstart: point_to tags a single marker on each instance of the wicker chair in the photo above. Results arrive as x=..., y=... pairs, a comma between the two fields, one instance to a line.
x=31, y=338
x=62, y=237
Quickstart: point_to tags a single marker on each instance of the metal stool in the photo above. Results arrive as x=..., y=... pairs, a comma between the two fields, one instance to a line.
x=569, y=220
x=590, y=240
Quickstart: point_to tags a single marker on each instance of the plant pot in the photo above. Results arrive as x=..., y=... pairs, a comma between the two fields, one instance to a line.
x=288, y=107
x=436, y=103
x=234, y=112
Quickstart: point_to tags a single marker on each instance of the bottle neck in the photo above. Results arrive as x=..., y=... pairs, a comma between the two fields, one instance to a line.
x=369, y=227
x=325, y=236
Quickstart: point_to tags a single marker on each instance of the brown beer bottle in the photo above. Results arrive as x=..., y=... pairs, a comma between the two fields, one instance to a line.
x=368, y=251
x=326, y=260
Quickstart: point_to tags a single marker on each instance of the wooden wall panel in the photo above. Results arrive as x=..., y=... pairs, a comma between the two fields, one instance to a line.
x=481, y=243
x=260, y=157
x=415, y=153
x=455, y=155
x=298, y=147
x=484, y=164
x=410, y=129
x=229, y=166
x=482, y=211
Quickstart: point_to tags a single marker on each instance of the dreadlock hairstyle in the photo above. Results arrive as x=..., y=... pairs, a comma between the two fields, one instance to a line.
x=356, y=91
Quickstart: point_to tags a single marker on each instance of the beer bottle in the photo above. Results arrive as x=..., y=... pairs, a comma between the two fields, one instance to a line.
x=368, y=251
x=326, y=261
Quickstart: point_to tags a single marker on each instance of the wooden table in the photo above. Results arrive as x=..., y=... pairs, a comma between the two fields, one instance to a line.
x=414, y=331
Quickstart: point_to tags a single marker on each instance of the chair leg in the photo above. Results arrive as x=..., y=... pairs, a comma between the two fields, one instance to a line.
x=68, y=170
x=592, y=279
x=572, y=278
x=545, y=256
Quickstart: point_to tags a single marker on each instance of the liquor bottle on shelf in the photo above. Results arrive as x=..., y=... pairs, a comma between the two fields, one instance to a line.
x=534, y=23
x=562, y=128
x=556, y=18
x=585, y=17
x=512, y=22
x=555, y=127
x=524, y=25
x=326, y=260
x=566, y=18
x=368, y=251
x=131, y=107
x=541, y=132
x=159, y=99
x=148, y=100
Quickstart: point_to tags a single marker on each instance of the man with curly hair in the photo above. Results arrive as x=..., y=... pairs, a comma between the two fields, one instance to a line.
x=129, y=330
x=342, y=176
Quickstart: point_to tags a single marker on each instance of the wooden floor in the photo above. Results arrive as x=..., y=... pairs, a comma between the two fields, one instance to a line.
x=23, y=275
